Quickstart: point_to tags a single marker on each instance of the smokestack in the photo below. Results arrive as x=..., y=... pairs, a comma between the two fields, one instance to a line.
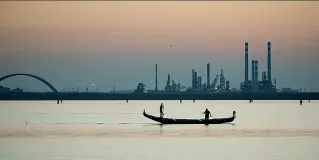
x=256, y=76
x=169, y=82
x=253, y=76
x=156, y=86
x=252, y=71
x=269, y=61
x=246, y=61
x=193, y=78
x=199, y=81
x=208, y=75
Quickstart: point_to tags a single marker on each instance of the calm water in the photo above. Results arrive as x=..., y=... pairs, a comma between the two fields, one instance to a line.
x=117, y=130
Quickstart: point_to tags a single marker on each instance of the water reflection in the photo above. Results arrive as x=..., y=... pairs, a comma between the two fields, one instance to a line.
x=147, y=130
x=161, y=129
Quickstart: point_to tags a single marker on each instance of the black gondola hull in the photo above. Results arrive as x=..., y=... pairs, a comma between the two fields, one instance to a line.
x=190, y=121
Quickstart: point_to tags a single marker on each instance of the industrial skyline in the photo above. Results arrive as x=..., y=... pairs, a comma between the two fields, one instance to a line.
x=253, y=85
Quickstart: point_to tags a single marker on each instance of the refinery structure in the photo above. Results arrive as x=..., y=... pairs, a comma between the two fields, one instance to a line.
x=254, y=85
x=219, y=82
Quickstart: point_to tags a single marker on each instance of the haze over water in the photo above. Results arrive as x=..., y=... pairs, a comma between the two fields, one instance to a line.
x=118, y=130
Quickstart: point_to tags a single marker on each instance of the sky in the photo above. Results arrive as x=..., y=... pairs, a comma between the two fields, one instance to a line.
x=118, y=43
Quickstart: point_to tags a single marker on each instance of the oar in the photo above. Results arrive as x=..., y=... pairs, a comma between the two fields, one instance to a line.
x=162, y=117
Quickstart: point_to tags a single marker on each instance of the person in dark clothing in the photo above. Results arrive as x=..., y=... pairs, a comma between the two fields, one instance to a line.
x=207, y=114
x=162, y=110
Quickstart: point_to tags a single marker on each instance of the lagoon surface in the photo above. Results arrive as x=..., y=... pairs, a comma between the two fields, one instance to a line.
x=97, y=130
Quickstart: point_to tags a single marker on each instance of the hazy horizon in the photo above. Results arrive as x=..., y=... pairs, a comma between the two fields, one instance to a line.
x=119, y=43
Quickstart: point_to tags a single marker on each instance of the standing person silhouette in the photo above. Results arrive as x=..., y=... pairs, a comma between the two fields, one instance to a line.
x=207, y=114
x=162, y=110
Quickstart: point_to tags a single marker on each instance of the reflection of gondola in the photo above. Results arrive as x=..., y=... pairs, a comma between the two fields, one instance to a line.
x=190, y=121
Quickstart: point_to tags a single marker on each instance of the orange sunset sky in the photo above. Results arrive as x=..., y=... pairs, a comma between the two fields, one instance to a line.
x=118, y=43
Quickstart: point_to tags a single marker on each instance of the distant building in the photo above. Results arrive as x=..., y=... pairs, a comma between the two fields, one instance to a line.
x=4, y=89
x=17, y=90
x=294, y=90
x=289, y=90
x=140, y=88
x=227, y=86
x=123, y=91
x=153, y=91
x=286, y=90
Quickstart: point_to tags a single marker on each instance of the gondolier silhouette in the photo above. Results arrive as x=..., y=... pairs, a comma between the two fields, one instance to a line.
x=207, y=114
x=162, y=110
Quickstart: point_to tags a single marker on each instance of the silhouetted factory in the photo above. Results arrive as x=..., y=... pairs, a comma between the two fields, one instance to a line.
x=197, y=85
x=254, y=85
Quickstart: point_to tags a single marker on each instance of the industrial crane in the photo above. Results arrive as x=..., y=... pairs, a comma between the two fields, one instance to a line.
x=215, y=81
x=222, y=80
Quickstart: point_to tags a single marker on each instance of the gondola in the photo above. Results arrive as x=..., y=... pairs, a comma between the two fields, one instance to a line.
x=190, y=121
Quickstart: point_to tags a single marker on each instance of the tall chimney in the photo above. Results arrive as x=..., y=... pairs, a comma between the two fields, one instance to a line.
x=221, y=79
x=169, y=82
x=193, y=78
x=156, y=86
x=256, y=76
x=246, y=61
x=199, y=81
x=269, y=61
x=252, y=70
x=208, y=75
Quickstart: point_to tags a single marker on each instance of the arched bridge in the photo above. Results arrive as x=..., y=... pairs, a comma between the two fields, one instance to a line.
x=32, y=76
